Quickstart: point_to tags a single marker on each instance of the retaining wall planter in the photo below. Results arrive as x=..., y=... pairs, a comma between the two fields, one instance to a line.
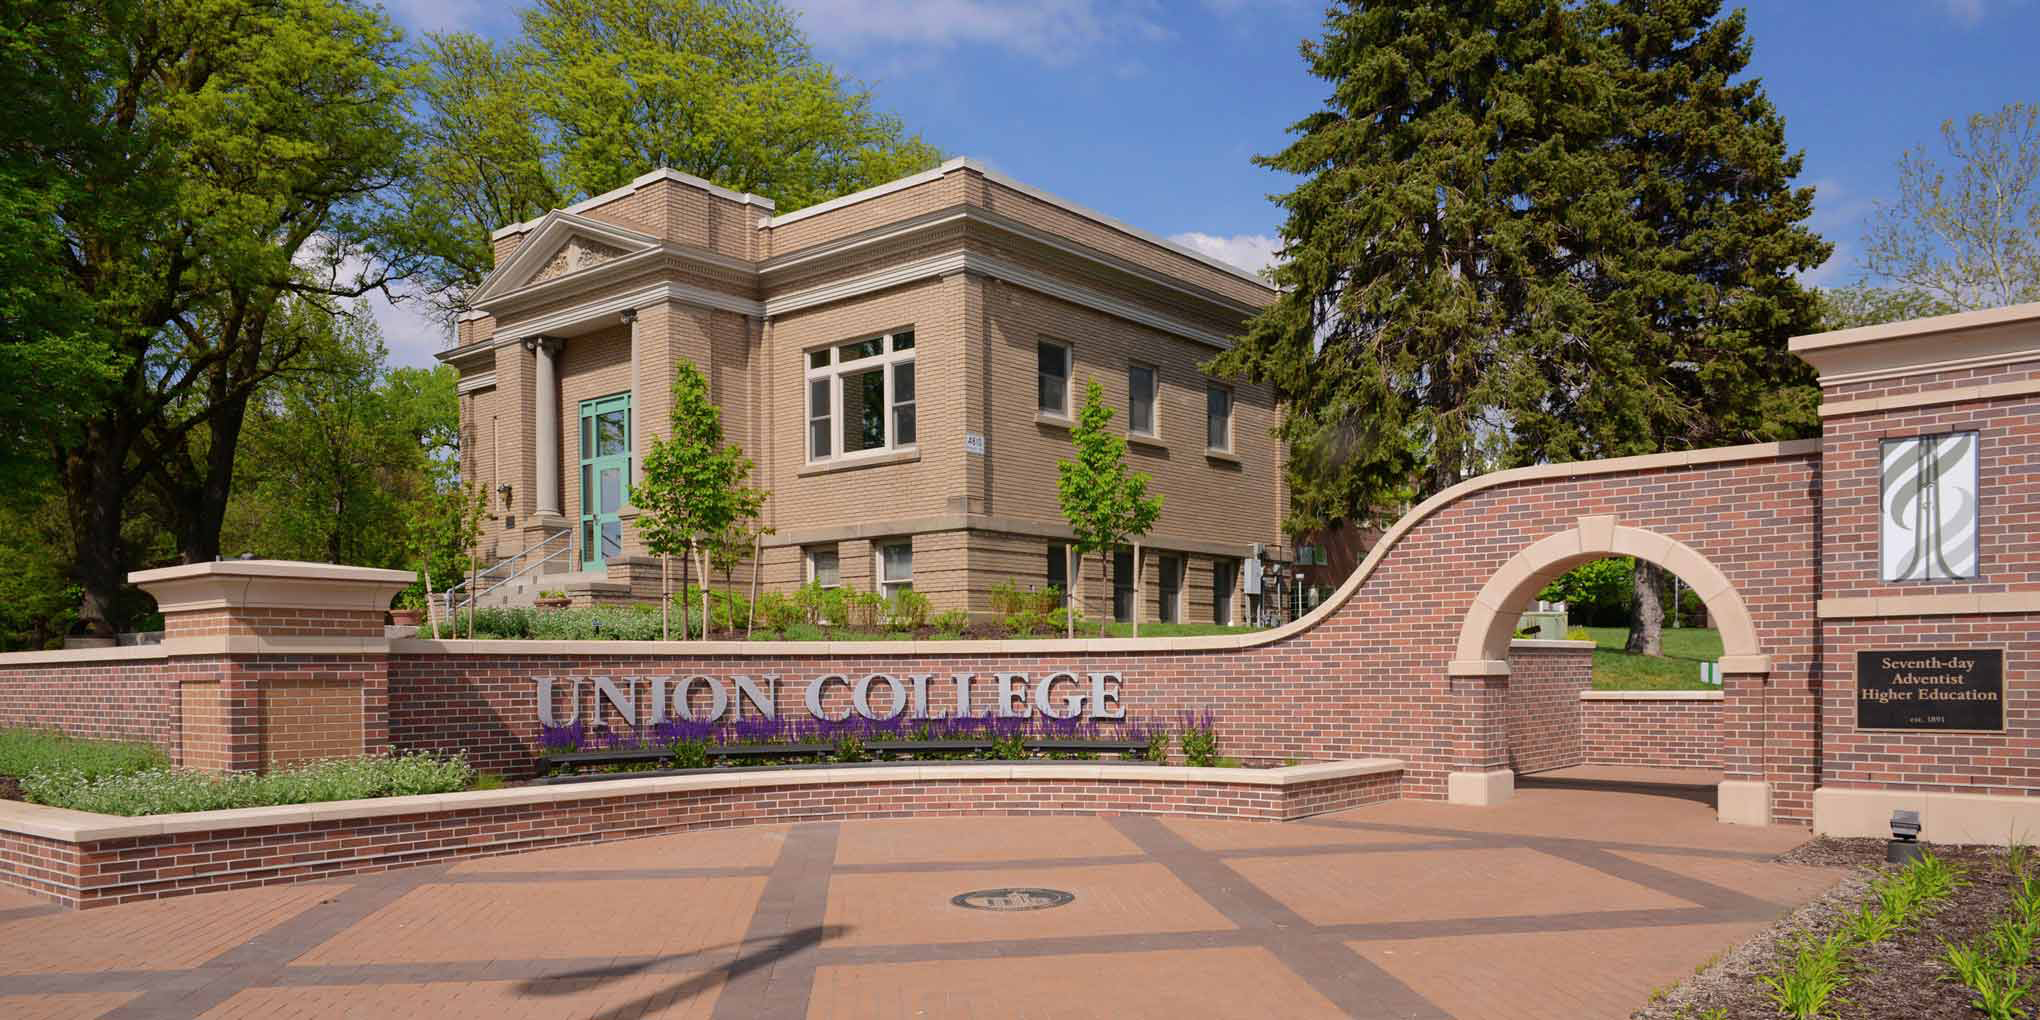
x=87, y=860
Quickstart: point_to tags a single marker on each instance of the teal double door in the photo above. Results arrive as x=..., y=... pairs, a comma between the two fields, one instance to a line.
x=605, y=477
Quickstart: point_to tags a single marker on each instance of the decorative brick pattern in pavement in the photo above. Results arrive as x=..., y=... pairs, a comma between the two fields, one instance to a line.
x=1568, y=903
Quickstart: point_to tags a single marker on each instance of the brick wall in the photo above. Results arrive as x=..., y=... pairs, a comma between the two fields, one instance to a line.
x=1544, y=706
x=1682, y=733
x=109, y=871
x=114, y=699
x=2008, y=475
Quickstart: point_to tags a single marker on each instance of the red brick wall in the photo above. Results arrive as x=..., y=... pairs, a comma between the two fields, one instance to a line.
x=1368, y=681
x=2008, y=548
x=98, y=873
x=1679, y=734
x=131, y=700
x=1544, y=707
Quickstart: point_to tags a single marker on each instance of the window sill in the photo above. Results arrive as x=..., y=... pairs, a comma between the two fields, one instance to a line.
x=1222, y=456
x=830, y=467
x=1053, y=420
x=1154, y=442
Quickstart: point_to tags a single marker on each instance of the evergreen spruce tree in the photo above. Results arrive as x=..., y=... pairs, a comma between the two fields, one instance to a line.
x=1530, y=231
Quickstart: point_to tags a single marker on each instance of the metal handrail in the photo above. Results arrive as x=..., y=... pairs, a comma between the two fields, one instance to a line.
x=455, y=591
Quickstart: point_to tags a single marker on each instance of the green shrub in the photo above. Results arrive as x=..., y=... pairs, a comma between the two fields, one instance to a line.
x=1027, y=623
x=906, y=610
x=24, y=751
x=864, y=609
x=779, y=612
x=1199, y=740
x=728, y=609
x=951, y=622
x=166, y=791
x=1578, y=634
x=505, y=624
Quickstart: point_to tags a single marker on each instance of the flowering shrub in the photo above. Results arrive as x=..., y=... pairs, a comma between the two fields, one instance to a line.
x=166, y=791
x=1200, y=739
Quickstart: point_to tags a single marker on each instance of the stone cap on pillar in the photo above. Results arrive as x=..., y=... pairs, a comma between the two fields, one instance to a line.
x=282, y=597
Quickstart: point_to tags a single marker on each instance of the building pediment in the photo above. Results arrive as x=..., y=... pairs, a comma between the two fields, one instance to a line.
x=562, y=244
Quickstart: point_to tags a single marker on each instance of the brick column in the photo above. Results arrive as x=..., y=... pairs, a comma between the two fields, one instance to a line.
x=1744, y=796
x=277, y=661
x=1480, y=733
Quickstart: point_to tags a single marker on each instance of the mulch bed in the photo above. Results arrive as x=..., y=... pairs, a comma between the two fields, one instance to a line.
x=1902, y=977
x=10, y=788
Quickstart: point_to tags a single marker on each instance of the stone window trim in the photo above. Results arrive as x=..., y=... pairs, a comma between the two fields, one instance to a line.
x=824, y=369
x=1143, y=385
x=1218, y=420
x=1053, y=397
x=822, y=566
x=892, y=566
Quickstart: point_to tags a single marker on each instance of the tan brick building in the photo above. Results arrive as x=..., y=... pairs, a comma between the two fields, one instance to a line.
x=902, y=364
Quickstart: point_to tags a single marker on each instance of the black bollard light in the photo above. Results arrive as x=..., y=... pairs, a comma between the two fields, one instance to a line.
x=1905, y=843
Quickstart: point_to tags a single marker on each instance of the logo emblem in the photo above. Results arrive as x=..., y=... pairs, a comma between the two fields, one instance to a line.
x=1012, y=899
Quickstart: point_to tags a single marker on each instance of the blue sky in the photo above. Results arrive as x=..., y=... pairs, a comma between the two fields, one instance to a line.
x=1150, y=111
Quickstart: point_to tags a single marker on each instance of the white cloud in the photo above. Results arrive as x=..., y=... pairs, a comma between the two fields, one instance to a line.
x=1968, y=12
x=439, y=15
x=1252, y=252
x=410, y=332
x=1052, y=31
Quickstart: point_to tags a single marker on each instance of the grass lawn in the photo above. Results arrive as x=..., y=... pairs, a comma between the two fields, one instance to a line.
x=1677, y=670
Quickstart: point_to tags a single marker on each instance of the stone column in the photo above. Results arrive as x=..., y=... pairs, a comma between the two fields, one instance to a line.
x=546, y=381
x=278, y=661
x=1480, y=733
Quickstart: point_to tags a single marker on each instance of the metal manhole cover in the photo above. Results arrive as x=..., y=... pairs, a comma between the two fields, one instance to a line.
x=1013, y=899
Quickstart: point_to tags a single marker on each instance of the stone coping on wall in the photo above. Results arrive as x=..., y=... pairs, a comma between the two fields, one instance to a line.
x=84, y=826
x=1650, y=695
x=84, y=860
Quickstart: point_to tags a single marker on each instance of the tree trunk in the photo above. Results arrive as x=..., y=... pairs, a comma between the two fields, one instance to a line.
x=1139, y=588
x=705, y=618
x=665, y=598
x=757, y=564
x=431, y=602
x=95, y=497
x=1076, y=560
x=1646, y=626
x=686, y=559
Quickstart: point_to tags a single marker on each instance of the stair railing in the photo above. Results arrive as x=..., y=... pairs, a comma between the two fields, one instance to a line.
x=459, y=596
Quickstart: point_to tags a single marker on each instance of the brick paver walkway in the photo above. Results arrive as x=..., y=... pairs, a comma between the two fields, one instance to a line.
x=1565, y=902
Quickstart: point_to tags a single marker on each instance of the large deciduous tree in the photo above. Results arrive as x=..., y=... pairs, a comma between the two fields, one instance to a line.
x=594, y=93
x=205, y=162
x=1529, y=231
x=1966, y=236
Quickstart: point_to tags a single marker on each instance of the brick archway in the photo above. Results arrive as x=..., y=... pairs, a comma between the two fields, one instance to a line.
x=1481, y=655
x=1492, y=620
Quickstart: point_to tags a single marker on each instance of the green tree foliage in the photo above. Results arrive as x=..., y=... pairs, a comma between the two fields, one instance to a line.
x=335, y=451
x=38, y=601
x=594, y=93
x=1532, y=230
x=201, y=162
x=1863, y=304
x=1104, y=502
x=1966, y=236
x=691, y=493
x=442, y=527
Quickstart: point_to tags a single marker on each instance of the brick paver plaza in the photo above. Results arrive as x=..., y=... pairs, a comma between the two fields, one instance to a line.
x=1570, y=903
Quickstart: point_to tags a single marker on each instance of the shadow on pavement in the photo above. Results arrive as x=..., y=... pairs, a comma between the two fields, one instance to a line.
x=769, y=953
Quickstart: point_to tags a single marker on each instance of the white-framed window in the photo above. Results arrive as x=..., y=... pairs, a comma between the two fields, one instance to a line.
x=1928, y=508
x=860, y=397
x=895, y=567
x=1218, y=417
x=1059, y=571
x=1141, y=399
x=823, y=568
x=1052, y=376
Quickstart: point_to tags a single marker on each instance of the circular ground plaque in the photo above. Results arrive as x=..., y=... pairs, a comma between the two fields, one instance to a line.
x=1012, y=899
